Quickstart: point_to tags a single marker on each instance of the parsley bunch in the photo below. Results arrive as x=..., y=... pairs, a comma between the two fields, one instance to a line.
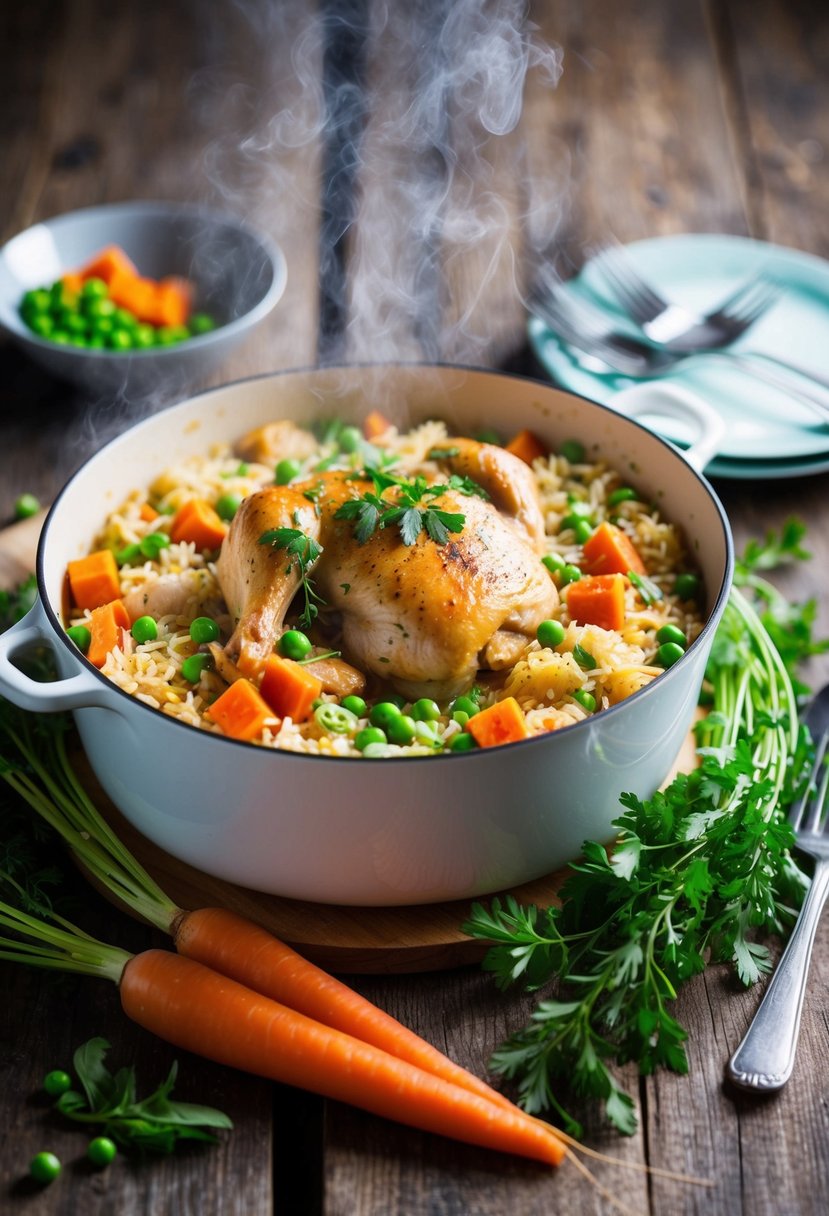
x=699, y=872
x=409, y=511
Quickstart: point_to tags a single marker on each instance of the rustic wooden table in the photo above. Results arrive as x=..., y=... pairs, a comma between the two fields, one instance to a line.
x=669, y=117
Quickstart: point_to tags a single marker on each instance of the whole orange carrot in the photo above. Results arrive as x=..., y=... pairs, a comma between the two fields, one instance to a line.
x=199, y=1010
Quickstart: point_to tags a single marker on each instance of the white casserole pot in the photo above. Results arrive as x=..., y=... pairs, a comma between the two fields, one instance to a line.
x=380, y=831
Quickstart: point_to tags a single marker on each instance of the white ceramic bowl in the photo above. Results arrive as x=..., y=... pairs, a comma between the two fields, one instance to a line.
x=358, y=831
x=239, y=275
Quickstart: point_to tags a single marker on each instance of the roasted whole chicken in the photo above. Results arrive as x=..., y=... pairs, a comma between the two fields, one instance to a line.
x=425, y=617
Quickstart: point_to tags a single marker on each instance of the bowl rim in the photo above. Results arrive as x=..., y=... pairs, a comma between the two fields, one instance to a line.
x=714, y=615
x=11, y=322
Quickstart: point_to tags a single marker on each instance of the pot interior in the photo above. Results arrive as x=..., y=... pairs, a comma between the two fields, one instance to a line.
x=467, y=399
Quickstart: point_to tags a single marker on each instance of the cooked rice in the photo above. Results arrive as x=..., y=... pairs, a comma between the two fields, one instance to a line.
x=543, y=680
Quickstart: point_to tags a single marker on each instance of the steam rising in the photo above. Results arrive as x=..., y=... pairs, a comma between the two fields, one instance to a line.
x=408, y=110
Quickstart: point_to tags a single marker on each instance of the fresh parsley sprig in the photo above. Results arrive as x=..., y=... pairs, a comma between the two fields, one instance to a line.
x=154, y=1124
x=410, y=510
x=303, y=552
x=699, y=873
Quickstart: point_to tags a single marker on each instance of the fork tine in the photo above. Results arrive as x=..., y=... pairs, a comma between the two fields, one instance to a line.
x=810, y=806
x=754, y=304
x=639, y=298
x=817, y=804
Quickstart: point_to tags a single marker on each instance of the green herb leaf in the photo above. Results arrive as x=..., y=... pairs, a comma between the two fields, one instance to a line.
x=155, y=1123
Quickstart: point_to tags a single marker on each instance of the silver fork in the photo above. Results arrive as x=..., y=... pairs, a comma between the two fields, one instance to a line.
x=674, y=327
x=765, y=1058
x=605, y=349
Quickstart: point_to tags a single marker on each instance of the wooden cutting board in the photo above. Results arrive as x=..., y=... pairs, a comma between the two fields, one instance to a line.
x=352, y=940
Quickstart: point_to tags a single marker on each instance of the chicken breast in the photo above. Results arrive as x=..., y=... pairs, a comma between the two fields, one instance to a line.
x=425, y=616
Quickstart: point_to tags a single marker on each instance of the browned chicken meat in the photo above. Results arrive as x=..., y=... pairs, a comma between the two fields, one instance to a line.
x=426, y=617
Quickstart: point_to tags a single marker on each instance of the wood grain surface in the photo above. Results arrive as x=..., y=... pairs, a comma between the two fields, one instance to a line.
x=701, y=116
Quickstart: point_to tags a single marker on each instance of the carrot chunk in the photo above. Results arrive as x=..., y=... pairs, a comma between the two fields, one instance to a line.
x=107, y=263
x=375, y=424
x=503, y=722
x=611, y=551
x=105, y=625
x=94, y=579
x=241, y=711
x=148, y=513
x=173, y=301
x=132, y=292
x=197, y=523
x=598, y=599
x=288, y=688
x=526, y=446
x=72, y=281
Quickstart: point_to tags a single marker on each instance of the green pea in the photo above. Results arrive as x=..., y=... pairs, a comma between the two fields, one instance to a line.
x=686, y=586
x=583, y=530
x=554, y=562
x=94, y=289
x=459, y=716
x=178, y=333
x=335, y=719
x=165, y=335
x=95, y=343
x=201, y=323
x=368, y=735
x=42, y=325
x=669, y=653
x=101, y=309
x=463, y=742
x=465, y=705
x=294, y=644
x=101, y=1151
x=193, y=666
x=80, y=635
x=102, y=327
x=36, y=301
x=355, y=705
x=61, y=337
x=125, y=319
x=585, y=699
x=672, y=633
x=573, y=451
x=57, y=1082
x=204, y=629
x=25, y=505
x=143, y=337
x=228, y=505
x=425, y=710
x=349, y=439
x=242, y=469
x=286, y=471
x=144, y=629
x=120, y=340
x=401, y=730
x=623, y=494
x=550, y=633
x=44, y=1167
x=128, y=554
x=152, y=544
x=76, y=324
x=569, y=574
x=383, y=713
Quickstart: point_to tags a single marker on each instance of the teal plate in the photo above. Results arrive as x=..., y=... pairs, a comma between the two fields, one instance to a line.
x=768, y=435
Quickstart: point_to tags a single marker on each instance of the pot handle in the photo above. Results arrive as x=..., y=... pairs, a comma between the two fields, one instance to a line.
x=666, y=400
x=73, y=692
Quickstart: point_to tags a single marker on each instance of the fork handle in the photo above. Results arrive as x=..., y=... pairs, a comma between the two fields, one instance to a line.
x=765, y=1058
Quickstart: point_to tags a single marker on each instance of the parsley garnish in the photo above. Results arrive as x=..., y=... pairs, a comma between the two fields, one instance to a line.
x=699, y=873
x=155, y=1123
x=409, y=511
x=304, y=551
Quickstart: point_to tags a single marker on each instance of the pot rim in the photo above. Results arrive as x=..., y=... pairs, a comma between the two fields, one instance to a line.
x=475, y=755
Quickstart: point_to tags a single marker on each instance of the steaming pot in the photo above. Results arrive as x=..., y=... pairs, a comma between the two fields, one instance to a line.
x=387, y=831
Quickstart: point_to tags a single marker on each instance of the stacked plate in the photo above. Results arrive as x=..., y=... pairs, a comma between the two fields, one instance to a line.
x=767, y=433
